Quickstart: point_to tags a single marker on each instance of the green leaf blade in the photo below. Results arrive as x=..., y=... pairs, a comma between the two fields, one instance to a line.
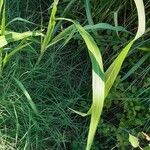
x=14, y=36
x=98, y=83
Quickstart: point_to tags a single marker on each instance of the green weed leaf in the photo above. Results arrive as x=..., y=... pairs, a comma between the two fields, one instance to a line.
x=134, y=141
x=98, y=83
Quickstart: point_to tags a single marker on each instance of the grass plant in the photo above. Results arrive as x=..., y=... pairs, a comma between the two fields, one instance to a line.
x=34, y=101
x=101, y=83
x=7, y=37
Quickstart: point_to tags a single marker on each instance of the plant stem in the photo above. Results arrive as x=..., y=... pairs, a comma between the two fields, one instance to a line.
x=1, y=62
x=39, y=59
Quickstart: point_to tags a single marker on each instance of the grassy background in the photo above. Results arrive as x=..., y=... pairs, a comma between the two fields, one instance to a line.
x=63, y=79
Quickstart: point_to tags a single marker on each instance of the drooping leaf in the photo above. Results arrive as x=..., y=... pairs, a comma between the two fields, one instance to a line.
x=141, y=18
x=105, y=26
x=115, y=67
x=98, y=85
x=21, y=20
x=98, y=82
x=71, y=30
x=100, y=91
x=14, y=36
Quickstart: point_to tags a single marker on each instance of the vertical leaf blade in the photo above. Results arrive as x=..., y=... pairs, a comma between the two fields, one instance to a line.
x=1, y=5
x=51, y=27
x=98, y=85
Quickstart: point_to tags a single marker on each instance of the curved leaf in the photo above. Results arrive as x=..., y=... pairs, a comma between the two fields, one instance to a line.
x=14, y=36
x=115, y=67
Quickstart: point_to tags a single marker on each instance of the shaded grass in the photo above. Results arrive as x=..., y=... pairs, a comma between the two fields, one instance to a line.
x=60, y=72
x=57, y=128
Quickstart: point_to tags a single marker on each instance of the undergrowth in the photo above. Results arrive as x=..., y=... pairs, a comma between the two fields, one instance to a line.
x=62, y=79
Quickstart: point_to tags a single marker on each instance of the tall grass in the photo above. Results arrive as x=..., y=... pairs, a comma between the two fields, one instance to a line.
x=7, y=37
x=49, y=32
x=102, y=81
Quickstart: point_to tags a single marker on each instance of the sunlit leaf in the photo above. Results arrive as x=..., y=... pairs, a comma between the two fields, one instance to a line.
x=14, y=36
x=115, y=67
x=134, y=141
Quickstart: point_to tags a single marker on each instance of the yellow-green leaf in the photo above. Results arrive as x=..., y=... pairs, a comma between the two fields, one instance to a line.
x=98, y=83
x=14, y=36
x=1, y=5
x=134, y=141
x=115, y=67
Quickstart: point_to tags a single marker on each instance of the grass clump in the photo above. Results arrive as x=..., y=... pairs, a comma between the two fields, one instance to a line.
x=44, y=93
x=7, y=37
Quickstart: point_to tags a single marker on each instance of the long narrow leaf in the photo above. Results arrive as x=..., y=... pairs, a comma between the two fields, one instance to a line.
x=13, y=52
x=14, y=36
x=51, y=27
x=1, y=5
x=98, y=85
x=70, y=30
x=98, y=82
x=48, y=37
x=115, y=67
x=25, y=92
x=3, y=20
x=21, y=20
x=88, y=12
x=136, y=66
x=105, y=26
x=62, y=35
